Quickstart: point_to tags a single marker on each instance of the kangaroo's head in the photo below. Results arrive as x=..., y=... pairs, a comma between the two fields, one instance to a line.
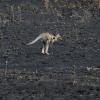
x=58, y=37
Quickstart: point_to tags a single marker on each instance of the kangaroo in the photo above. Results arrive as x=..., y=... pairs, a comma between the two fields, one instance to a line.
x=47, y=39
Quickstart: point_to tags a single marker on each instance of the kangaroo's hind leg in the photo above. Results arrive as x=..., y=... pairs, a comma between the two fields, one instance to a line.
x=43, y=49
x=47, y=47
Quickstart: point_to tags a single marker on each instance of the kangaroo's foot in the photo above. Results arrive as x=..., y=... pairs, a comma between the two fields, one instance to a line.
x=47, y=53
x=43, y=52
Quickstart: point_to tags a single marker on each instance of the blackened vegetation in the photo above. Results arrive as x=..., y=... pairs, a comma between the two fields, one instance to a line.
x=71, y=71
x=50, y=84
x=77, y=21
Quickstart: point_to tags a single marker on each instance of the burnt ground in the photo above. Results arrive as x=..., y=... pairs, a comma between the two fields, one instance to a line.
x=78, y=22
x=50, y=85
x=79, y=27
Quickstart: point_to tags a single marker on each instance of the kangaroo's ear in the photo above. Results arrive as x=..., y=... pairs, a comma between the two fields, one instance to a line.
x=58, y=35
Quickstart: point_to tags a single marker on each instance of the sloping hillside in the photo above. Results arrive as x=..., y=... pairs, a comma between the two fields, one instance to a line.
x=78, y=21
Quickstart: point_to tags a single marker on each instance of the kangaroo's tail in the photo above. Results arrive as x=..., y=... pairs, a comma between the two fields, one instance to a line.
x=34, y=41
